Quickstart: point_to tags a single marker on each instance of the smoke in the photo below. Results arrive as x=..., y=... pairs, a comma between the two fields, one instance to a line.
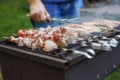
x=109, y=11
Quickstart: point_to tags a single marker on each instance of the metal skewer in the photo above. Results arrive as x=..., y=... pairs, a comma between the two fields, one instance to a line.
x=85, y=53
x=5, y=37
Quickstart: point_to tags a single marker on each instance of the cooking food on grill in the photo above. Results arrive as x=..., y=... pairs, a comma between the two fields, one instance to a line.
x=49, y=39
x=49, y=45
x=109, y=24
x=82, y=30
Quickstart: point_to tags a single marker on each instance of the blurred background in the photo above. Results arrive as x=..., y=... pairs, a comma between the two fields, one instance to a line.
x=13, y=17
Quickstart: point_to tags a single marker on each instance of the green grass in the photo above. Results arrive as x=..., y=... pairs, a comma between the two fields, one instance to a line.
x=1, y=77
x=114, y=76
x=13, y=17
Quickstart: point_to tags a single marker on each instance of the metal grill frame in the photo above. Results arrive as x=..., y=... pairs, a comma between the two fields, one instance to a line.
x=19, y=64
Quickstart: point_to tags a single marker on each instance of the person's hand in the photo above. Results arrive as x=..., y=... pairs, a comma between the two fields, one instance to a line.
x=38, y=12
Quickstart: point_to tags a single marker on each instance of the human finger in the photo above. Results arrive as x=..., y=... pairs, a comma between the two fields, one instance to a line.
x=36, y=17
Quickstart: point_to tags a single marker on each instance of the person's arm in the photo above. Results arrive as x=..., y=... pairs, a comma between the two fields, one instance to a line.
x=38, y=12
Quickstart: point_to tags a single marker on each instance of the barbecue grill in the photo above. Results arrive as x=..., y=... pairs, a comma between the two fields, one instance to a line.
x=22, y=63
